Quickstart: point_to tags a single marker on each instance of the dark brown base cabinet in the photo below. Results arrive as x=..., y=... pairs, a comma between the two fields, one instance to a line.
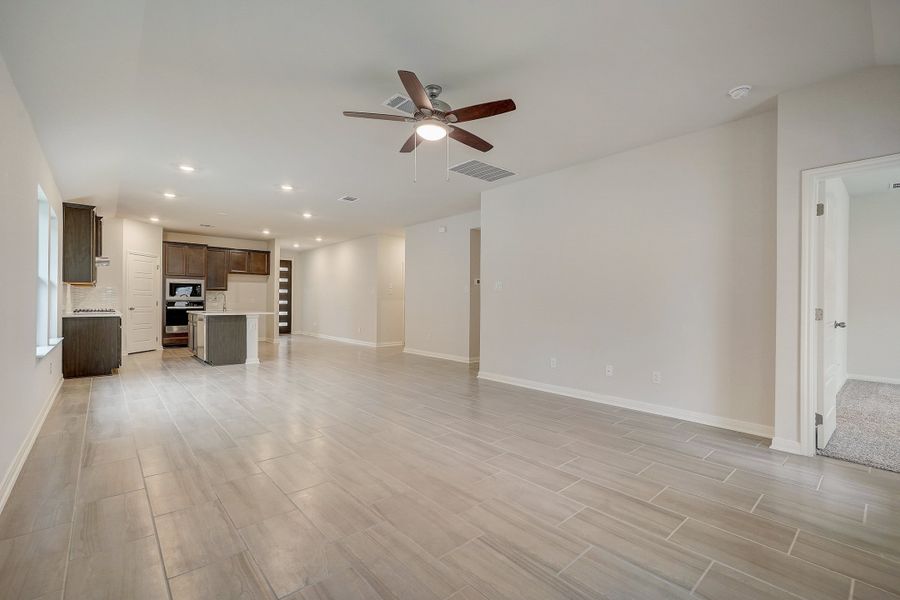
x=91, y=346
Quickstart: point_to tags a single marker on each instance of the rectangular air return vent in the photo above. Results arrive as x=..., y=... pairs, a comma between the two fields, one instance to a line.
x=480, y=170
x=348, y=198
x=401, y=103
x=895, y=186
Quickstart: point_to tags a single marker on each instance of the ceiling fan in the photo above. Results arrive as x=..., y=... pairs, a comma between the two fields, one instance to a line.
x=435, y=119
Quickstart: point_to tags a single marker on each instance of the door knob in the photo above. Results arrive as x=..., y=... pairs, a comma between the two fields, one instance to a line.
x=130, y=308
x=840, y=324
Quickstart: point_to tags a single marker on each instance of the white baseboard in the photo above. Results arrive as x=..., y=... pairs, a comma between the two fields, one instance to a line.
x=388, y=344
x=874, y=378
x=429, y=354
x=648, y=407
x=9, y=480
x=343, y=340
x=790, y=446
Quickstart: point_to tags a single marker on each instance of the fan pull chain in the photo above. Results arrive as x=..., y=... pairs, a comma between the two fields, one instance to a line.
x=415, y=155
x=447, y=137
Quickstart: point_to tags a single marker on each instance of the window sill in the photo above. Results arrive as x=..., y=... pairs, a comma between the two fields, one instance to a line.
x=42, y=351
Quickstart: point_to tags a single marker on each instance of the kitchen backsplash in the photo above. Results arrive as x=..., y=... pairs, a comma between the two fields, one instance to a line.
x=78, y=296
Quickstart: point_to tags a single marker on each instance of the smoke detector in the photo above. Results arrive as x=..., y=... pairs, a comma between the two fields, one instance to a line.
x=739, y=92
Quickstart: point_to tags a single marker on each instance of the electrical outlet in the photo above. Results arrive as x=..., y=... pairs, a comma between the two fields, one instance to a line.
x=609, y=370
x=498, y=285
x=553, y=362
x=359, y=330
x=51, y=367
x=657, y=377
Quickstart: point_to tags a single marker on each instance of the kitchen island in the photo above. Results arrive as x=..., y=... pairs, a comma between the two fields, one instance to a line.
x=225, y=337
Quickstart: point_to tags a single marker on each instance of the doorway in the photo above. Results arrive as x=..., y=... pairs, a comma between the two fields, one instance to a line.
x=142, y=317
x=850, y=344
x=285, y=296
x=474, y=295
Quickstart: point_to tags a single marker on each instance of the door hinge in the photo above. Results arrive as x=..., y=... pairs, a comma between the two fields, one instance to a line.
x=820, y=209
x=820, y=314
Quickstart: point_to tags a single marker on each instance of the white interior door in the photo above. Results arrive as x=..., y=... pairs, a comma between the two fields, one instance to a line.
x=833, y=253
x=142, y=312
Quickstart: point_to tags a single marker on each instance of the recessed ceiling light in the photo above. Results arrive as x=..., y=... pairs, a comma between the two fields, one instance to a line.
x=741, y=91
x=319, y=239
x=187, y=168
x=266, y=232
x=307, y=215
x=286, y=187
x=296, y=245
x=154, y=219
x=168, y=195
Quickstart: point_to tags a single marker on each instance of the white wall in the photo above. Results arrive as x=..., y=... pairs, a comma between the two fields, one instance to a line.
x=339, y=290
x=844, y=119
x=874, y=319
x=28, y=383
x=437, y=287
x=351, y=291
x=656, y=259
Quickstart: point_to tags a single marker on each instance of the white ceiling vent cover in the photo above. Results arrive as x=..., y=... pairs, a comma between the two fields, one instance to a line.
x=348, y=198
x=401, y=103
x=480, y=170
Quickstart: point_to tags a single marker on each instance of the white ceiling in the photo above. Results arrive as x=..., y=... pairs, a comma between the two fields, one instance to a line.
x=876, y=181
x=252, y=93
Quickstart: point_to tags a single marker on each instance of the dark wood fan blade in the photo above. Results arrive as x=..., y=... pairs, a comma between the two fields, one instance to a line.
x=480, y=111
x=415, y=89
x=469, y=139
x=413, y=141
x=368, y=115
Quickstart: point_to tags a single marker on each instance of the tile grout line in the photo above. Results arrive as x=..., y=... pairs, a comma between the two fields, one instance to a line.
x=668, y=537
x=574, y=560
x=697, y=584
x=658, y=493
x=77, y=483
x=755, y=504
x=794, y=541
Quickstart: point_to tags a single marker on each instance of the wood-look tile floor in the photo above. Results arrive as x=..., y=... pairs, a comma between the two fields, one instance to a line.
x=335, y=472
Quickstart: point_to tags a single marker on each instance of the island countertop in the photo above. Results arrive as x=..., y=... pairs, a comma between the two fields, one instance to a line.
x=213, y=313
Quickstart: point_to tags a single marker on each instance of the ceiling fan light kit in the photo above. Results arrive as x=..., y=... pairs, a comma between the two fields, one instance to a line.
x=435, y=119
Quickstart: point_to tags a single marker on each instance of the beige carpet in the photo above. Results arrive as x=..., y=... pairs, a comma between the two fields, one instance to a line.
x=868, y=425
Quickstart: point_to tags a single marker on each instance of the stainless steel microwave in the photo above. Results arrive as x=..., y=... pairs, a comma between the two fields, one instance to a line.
x=185, y=289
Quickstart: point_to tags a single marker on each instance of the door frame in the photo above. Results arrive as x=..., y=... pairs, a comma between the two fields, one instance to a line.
x=810, y=271
x=157, y=291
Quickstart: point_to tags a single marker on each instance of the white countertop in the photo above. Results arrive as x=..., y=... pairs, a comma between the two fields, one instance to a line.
x=95, y=314
x=213, y=313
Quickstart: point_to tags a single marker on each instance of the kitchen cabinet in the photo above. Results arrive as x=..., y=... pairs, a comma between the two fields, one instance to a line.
x=92, y=345
x=185, y=260
x=238, y=261
x=216, y=269
x=259, y=262
x=80, y=243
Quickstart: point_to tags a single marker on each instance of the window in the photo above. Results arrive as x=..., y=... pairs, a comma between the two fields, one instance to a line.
x=47, y=302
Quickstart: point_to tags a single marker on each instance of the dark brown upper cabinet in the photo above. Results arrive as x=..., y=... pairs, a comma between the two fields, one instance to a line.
x=80, y=243
x=185, y=260
x=238, y=261
x=259, y=262
x=216, y=269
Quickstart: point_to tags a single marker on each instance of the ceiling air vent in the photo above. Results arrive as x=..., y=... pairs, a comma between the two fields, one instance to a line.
x=480, y=170
x=401, y=103
x=895, y=186
x=348, y=198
